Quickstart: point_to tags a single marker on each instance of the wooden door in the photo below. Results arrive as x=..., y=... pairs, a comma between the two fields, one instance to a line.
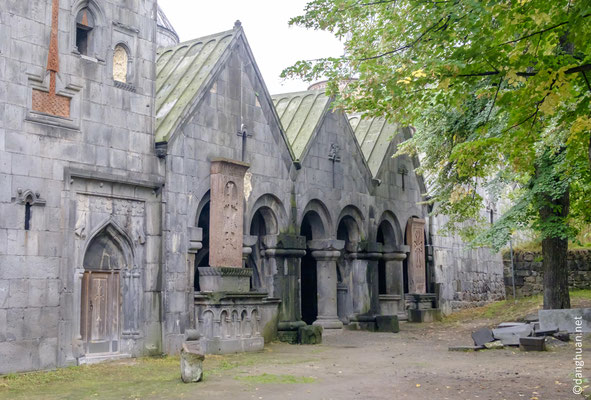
x=99, y=322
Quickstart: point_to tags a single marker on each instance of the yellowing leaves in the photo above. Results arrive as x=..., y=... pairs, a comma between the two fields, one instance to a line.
x=419, y=73
x=583, y=123
x=550, y=103
x=514, y=79
x=406, y=81
x=540, y=18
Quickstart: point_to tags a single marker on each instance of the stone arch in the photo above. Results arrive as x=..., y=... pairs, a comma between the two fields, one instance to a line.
x=394, y=231
x=107, y=290
x=350, y=219
x=118, y=235
x=95, y=29
x=272, y=211
x=319, y=219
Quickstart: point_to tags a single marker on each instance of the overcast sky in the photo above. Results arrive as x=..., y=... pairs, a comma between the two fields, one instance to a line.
x=274, y=44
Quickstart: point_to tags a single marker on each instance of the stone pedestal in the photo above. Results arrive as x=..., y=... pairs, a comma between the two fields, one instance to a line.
x=326, y=253
x=282, y=254
x=224, y=279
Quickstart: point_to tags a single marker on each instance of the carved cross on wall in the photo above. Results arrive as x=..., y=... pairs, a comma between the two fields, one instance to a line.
x=335, y=157
x=243, y=133
x=402, y=171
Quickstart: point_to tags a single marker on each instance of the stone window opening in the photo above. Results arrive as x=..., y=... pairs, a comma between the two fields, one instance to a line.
x=121, y=67
x=84, y=31
x=28, y=212
x=492, y=216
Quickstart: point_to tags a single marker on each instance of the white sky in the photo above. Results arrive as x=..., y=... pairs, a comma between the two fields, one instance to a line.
x=274, y=44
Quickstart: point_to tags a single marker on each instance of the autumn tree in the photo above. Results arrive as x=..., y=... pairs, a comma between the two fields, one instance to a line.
x=499, y=93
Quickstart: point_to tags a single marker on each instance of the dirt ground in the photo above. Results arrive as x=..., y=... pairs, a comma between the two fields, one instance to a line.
x=413, y=364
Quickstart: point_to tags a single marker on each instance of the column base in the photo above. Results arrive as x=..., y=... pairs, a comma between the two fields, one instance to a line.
x=329, y=322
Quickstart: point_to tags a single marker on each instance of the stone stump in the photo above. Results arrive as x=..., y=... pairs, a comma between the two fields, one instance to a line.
x=191, y=362
x=387, y=323
x=310, y=334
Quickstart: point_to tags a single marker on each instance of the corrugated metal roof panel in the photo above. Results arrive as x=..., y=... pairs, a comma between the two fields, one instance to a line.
x=181, y=71
x=300, y=115
x=374, y=135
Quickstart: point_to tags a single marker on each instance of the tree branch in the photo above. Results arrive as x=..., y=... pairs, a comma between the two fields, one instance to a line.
x=586, y=80
x=580, y=68
x=406, y=46
x=494, y=100
x=542, y=31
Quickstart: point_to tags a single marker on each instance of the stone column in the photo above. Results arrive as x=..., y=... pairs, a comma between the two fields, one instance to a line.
x=326, y=253
x=395, y=282
x=195, y=244
x=366, y=301
x=225, y=273
x=415, y=237
x=283, y=254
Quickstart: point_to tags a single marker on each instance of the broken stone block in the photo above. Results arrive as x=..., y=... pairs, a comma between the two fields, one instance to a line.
x=428, y=315
x=191, y=362
x=310, y=334
x=552, y=342
x=482, y=336
x=387, y=323
x=497, y=344
x=566, y=320
x=510, y=335
x=532, y=343
x=562, y=336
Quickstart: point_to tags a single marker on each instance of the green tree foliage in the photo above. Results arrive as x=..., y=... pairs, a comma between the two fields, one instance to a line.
x=498, y=91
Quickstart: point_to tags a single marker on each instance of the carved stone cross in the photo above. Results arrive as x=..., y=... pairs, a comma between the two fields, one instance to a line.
x=335, y=157
x=243, y=133
x=403, y=171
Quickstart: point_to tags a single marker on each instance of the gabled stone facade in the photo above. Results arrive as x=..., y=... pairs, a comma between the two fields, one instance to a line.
x=105, y=206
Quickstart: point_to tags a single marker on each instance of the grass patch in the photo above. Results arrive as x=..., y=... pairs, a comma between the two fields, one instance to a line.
x=510, y=310
x=275, y=379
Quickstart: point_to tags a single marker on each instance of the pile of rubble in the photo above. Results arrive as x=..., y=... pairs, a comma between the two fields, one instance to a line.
x=547, y=327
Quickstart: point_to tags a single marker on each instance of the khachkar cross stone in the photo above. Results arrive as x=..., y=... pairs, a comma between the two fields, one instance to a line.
x=51, y=102
x=226, y=212
x=415, y=237
x=334, y=155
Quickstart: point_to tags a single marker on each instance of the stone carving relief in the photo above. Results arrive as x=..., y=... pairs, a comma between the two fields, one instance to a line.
x=415, y=237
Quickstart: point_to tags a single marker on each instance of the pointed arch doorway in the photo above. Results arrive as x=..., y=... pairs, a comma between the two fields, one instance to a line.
x=101, y=300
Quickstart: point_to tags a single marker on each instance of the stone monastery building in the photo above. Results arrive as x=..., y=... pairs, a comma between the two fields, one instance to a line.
x=149, y=186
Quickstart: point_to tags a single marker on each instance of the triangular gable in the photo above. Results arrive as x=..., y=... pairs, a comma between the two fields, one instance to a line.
x=181, y=72
x=377, y=139
x=374, y=136
x=301, y=114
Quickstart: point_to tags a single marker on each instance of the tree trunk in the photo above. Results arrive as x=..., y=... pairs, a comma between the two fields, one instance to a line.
x=554, y=253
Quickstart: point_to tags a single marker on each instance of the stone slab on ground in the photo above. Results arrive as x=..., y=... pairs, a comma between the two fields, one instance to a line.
x=532, y=344
x=566, y=320
x=510, y=335
x=310, y=334
x=429, y=315
x=465, y=348
x=482, y=336
x=191, y=362
x=497, y=344
x=387, y=323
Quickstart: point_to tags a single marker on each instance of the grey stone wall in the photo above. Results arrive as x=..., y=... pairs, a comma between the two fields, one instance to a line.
x=211, y=131
x=105, y=148
x=466, y=277
x=529, y=272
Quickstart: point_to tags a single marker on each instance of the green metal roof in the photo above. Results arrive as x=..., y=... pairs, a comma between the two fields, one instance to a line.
x=180, y=72
x=374, y=136
x=300, y=114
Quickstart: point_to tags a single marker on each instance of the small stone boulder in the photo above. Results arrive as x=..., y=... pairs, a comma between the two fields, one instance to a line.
x=387, y=323
x=191, y=362
x=310, y=334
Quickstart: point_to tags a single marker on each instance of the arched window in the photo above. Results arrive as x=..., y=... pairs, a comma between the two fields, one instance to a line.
x=120, y=64
x=84, y=31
